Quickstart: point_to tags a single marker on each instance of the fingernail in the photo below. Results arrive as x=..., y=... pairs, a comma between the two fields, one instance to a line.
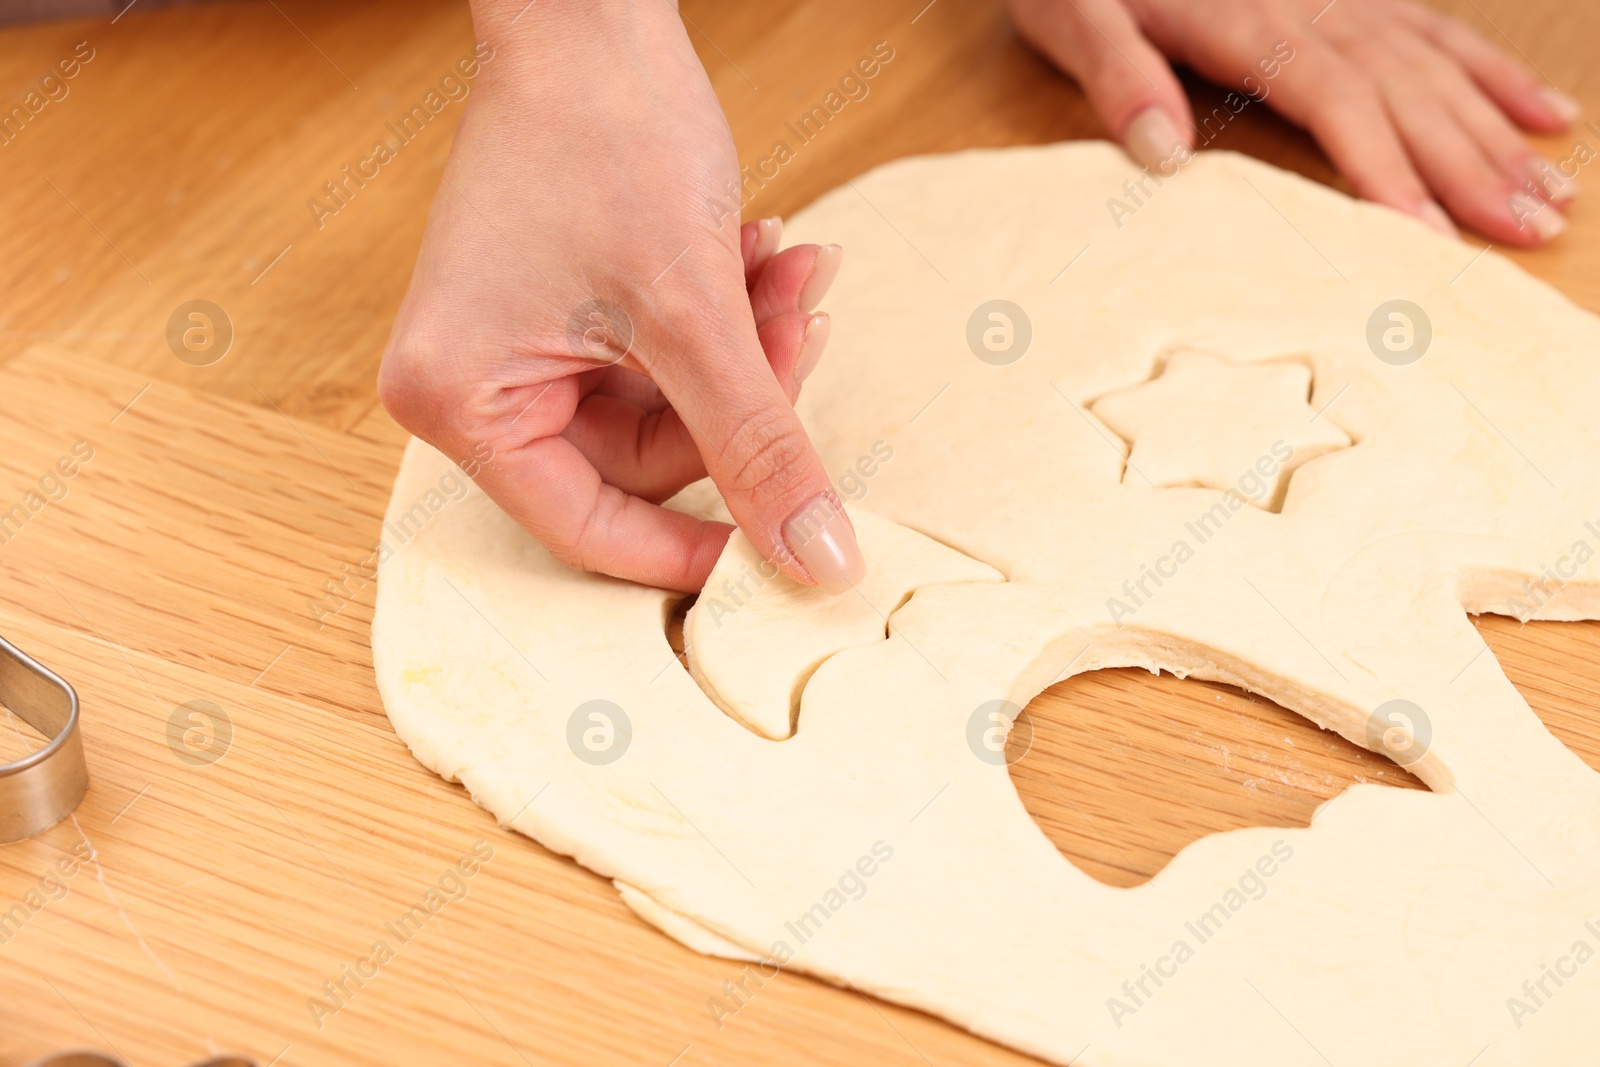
x=820, y=534
x=1434, y=217
x=1553, y=183
x=1533, y=213
x=812, y=342
x=768, y=233
x=1152, y=139
x=822, y=275
x=1560, y=104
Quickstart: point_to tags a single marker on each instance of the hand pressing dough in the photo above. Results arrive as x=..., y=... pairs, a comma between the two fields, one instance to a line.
x=764, y=656
x=879, y=846
x=1208, y=422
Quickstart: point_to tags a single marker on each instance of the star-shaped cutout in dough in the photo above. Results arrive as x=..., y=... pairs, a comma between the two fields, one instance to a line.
x=1207, y=422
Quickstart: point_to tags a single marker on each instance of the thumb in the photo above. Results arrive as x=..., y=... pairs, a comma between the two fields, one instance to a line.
x=724, y=390
x=1128, y=82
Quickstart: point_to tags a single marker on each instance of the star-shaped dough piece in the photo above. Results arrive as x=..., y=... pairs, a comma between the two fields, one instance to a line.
x=1230, y=426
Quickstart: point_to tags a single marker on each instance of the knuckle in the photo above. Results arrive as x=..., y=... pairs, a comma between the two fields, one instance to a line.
x=418, y=383
x=1250, y=26
x=585, y=547
x=567, y=553
x=1358, y=99
x=1263, y=17
x=397, y=386
x=769, y=453
x=1457, y=34
x=404, y=380
x=568, y=547
x=1033, y=19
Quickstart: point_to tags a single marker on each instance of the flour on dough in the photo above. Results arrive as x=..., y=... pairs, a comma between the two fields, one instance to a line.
x=874, y=845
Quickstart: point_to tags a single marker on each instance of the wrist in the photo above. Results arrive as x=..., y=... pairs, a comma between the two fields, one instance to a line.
x=522, y=18
x=532, y=36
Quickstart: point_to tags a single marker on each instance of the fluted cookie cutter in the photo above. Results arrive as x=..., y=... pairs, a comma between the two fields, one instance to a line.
x=43, y=787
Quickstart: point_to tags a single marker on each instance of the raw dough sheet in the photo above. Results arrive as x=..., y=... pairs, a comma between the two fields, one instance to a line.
x=1196, y=438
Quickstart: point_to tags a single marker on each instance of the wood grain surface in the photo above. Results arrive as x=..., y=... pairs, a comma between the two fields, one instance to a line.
x=253, y=822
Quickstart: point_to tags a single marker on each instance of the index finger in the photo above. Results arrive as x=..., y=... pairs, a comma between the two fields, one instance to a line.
x=707, y=359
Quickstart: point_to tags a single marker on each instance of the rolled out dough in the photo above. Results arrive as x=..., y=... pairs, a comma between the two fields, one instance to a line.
x=880, y=845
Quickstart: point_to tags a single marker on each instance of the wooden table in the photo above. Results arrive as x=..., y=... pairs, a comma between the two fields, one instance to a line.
x=253, y=820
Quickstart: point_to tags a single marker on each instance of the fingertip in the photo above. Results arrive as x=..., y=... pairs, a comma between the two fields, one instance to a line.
x=758, y=243
x=820, y=535
x=823, y=272
x=1153, y=139
x=812, y=344
x=769, y=232
x=703, y=555
x=684, y=552
x=1562, y=109
x=1551, y=182
x=748, y=233
x=781, y=286
x=785, y=340
x=1537, y=221
x=1436, y=218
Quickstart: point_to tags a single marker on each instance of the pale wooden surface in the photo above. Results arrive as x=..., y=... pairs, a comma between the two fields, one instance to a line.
x=178, y=566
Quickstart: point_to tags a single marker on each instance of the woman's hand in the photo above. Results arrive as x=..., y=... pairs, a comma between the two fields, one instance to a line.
x=1412, y=106
x=586, y=305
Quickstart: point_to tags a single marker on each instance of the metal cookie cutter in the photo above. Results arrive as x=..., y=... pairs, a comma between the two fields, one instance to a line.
x=43, y=787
